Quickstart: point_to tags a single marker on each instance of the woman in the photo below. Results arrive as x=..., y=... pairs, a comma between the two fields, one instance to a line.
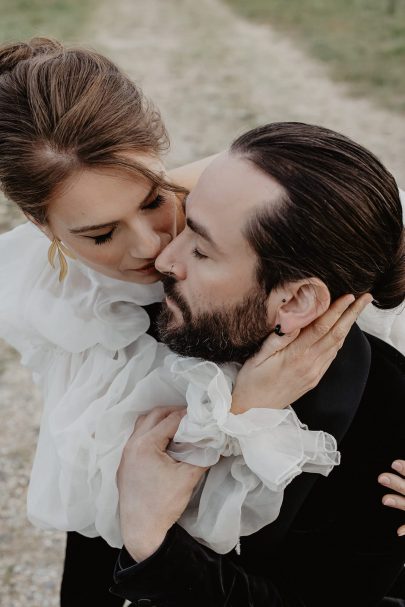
x=80, y=154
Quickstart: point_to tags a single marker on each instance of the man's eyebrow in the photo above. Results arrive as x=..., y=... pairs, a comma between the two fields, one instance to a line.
x=110, y=223
x=197, y=228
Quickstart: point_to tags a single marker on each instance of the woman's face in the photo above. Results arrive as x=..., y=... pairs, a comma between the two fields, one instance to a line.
x=115, y=223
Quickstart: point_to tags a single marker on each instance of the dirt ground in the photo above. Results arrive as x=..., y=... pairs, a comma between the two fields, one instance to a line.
x=213, y=75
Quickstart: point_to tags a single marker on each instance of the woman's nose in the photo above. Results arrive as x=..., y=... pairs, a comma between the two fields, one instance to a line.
x=146, y=244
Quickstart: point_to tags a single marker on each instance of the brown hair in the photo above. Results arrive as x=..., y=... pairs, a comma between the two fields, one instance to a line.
x=340, y=218
x=64, y=109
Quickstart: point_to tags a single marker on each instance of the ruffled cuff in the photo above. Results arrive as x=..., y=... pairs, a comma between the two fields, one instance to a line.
x=264, y=449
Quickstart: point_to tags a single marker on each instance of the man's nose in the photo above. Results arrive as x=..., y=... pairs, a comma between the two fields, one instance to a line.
x=168, y=262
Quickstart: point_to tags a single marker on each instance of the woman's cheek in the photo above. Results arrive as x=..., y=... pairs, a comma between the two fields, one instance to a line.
x=103, y=254
x=168, y=217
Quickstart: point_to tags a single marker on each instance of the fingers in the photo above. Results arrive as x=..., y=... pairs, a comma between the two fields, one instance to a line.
x=395, y=482
x=399, y=466
x=164, y=431
x=332, y=339
x=324, y=337
x=146, y=422
x=394, y=501
x=322, y=325
x=272, y=344
x=401, y=530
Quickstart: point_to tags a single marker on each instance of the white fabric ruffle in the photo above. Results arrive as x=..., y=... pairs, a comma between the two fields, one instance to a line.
x=247, y=493
x=254, y=456
x=388, y=325
x=85, y=341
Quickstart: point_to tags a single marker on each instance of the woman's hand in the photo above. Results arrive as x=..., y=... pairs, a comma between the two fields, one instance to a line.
x=287, y=367
x=154, y=489
x=187, y=175
x=395, y=482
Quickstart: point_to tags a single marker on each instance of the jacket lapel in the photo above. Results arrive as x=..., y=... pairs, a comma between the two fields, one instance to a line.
x=331, y=407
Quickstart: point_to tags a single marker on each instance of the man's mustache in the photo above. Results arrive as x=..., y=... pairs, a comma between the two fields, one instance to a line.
x=170, y=289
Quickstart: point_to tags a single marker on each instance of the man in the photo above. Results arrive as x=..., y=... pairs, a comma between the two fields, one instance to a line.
x=292, y=217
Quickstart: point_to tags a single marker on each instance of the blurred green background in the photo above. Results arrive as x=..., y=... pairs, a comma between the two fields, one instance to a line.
x=363, y=41
x=20, y=19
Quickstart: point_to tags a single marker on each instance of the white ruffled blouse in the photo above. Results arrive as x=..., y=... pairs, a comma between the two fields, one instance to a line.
x=85, y=341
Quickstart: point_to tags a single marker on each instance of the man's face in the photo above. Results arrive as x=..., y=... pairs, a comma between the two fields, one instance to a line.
x=215, y=308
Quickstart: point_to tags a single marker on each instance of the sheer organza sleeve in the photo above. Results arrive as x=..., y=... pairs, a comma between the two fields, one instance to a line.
x=253, y=456
x=85, y=342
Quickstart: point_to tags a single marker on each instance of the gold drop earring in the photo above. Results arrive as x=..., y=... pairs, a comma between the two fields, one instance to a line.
x=57, y=246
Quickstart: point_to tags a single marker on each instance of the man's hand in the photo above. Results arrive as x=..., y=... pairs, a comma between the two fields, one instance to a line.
x=395, y=482
x=287, y=367
x=154, y=489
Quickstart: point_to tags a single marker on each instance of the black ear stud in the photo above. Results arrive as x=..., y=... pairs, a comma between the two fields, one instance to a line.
x=278, y=331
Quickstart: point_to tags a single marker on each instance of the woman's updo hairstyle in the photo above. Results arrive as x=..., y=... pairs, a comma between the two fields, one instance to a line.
x=65, y=109
x=12, y=54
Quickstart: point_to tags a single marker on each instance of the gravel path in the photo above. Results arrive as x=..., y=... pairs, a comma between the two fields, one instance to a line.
x=213, y=75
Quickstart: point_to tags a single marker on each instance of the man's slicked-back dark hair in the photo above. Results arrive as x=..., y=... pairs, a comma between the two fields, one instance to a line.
x=340, y=218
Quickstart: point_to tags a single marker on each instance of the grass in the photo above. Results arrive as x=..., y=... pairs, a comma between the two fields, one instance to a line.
x=362, y=41
x=61, y=19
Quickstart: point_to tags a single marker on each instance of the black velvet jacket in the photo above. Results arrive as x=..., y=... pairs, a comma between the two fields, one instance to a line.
x=334, y=543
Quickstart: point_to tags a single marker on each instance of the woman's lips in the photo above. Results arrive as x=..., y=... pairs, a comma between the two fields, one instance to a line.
x=148, y=269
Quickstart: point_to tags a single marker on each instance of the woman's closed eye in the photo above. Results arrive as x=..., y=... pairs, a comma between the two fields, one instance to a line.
x=103, y=238
x=155, y=203
x=107, y=237
x=198, y=254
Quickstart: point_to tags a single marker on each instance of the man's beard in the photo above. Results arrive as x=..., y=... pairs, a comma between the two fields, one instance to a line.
x=233, y=334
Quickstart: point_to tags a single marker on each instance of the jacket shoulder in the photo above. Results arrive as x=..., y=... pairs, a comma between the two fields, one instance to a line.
x=386, y=355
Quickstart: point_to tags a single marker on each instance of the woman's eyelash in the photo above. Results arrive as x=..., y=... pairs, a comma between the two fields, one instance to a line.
x=199, y=255
x=103, y=237
x=156, y=202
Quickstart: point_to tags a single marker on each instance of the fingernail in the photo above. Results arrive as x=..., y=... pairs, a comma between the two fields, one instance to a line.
x=401, y=532
x=384, y=480
x=388, y=501
x=397, y=466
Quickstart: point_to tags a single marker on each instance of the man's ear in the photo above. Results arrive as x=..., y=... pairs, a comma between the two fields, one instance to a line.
x=300, y=302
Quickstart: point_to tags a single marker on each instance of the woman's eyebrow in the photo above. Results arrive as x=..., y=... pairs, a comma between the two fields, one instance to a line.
x=90, y=228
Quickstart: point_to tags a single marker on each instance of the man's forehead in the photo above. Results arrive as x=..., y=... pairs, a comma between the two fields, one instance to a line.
x=230, y=188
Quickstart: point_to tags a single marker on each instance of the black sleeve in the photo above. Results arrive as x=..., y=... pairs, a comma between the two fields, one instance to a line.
x=183, y=573
x=341, y=549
